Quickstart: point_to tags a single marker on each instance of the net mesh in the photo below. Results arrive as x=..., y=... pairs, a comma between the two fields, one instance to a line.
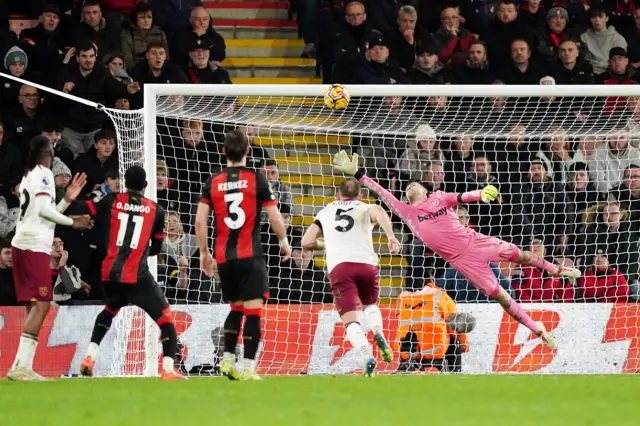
x=567, y=170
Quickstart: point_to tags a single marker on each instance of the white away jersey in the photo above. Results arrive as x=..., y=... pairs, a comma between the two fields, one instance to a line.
x=33, y=232
x=347, y=229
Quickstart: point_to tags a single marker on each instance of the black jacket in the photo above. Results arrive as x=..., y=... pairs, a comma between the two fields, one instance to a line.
x=464, y=74
x=436, y=76
x=10, y=163
x=182, y=39
x=45, y=50
x=401, y=51
x=348, y=50
x=90, y=164
x=628, y=201
x=98, y=86
x=171, y=73
x=582, y=73
x=546, y=48
x=211, y=74
x=512, y=75
x=7, y=288
x=20, y=129
x=498, y=37
x=107, y=38
x=547, y=209
x=369, y=72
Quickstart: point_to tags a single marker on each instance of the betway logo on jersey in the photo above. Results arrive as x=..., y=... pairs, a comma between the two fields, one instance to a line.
x=230, y=186
x=136, y=208
x=428, y=216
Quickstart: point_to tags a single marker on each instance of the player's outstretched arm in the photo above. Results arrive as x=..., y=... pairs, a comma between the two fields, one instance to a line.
x=379, y=216
x=488, y=194
x=207, y=264
x=72, y=191
x=349, y=166
x=50, y=213
x=277, y=224
x=310, y=239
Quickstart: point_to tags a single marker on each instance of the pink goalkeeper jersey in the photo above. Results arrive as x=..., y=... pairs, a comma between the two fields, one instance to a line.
x=433, y=222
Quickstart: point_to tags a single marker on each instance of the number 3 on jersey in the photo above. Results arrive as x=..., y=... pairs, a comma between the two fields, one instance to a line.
x=138, y=221
x=234, y=200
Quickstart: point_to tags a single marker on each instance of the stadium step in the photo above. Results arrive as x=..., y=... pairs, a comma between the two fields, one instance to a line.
x=385, y=261
x=248, y=9
x=304, y=159
x=276, y=80
x=256, y=28
x=303, y=140
x=259, y=48
x=270, y=67
x=318, y=200
x=298, y=180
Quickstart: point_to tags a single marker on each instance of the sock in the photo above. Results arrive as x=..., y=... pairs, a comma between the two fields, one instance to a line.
x=92, y=352
x=26, y=351
x=167, y=364
x=539, y=262
x=169, y=341
x=232, y=328
x=356, y=337
x=102, y=325
x=248, y=364
x=251, y=334
x=515, y=310
x=374, y=318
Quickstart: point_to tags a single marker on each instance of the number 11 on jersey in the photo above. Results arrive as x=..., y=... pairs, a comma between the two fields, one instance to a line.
x=138, y=221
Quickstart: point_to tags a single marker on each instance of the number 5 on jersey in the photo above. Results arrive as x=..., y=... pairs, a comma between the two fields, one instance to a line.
x=234, y=200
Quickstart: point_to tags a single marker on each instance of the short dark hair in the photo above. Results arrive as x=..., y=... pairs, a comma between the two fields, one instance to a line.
x=50, y=124
x=270, y=162
x=568, y=40
x=5, y=243
x=105, y=134
x=235, y=145
x=85, y=46
x=157, y=44
x=135, y=178
x=111, y=174
x=140, y=8
x=87, y=3
x=38, y=146
x=507, y=2
x=350, y=188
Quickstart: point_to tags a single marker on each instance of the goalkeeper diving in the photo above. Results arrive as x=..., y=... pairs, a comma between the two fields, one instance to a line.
x=432, y=221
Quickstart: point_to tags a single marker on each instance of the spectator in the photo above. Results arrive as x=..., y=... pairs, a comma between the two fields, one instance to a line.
x=61, y=177
x=24, y=121
x=100, y=158
x=475, y=69
x=513, y=161
x=7, y=288
x=556, y=156
x=454, y=39
x=545, y=205
x=137, y=35
x=377, y=68
x=433, y=175
x=110, y=185
x=45, y=44
x=10, y=160
x=309, y=24
x=93, y=83
x=115, y=63
x=95, y=29
x=200, y=28
x=600, y=39
x=331, y=19
x=122, y=104
x=571, y=68
x=487, y=217
x=458, y=165
x=174, y=278
x=581, y=192
x=52, y=129
x=502, y=31
x=619, y=71
x=167, y=196
x=521, y=69
x=613, y=230
x=9, y=208
x=200, y=69
x=179, y=245
x=611, y=160
x=535, y=285
x=533, y=14
x=301, y=281
x=67, y=280
x=632, y=35
x=402, y=42
x=173, y=14
x=548, y=39
x=427, y=69
x=586, y=148
x=8, y=38
x=271, y=244
x=420, y=149
x=281, y=191
x=16, y=62
x=155, y=69
x=602, y=283
x=628, y=192
x=351, y=43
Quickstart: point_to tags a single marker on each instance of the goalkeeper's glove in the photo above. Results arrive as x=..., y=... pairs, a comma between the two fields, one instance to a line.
x=489, y=193
x=344, y=164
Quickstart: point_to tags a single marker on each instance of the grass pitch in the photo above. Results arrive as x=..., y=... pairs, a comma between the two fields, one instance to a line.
x=322, y=400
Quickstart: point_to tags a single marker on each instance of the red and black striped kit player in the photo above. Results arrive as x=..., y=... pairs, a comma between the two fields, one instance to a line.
x=237, y=196
x=135, y=231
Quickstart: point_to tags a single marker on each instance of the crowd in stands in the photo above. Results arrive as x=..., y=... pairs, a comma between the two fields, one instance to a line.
x=573, y=200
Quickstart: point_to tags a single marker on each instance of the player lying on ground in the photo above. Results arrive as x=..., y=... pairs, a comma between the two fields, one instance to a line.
x=432, y=221
x=31, y=247
x=347, y=227
x=237, y=195
x=125, y=271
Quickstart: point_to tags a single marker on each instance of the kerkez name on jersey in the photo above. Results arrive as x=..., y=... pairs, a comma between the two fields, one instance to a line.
x=230, y=186
x=133, y=207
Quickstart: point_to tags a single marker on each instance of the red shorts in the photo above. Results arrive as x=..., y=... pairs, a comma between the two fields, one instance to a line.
x=352, y=281
x=31, y=276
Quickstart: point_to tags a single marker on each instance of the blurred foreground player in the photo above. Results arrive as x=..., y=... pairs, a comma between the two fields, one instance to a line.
x=431, y=220
x=135, y=231
x=237, y=195
x=347, y=227
x=31, y=247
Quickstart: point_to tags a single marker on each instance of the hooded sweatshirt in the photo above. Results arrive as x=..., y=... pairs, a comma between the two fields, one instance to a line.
x=15, y=54
x=598, y=46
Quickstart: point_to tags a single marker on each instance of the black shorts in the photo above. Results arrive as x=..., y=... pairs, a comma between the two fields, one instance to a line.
x=146, y=295
x=244, y=279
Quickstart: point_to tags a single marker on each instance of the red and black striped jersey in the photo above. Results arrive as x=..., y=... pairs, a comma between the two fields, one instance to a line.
x=131, y=221
x=237, y=195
